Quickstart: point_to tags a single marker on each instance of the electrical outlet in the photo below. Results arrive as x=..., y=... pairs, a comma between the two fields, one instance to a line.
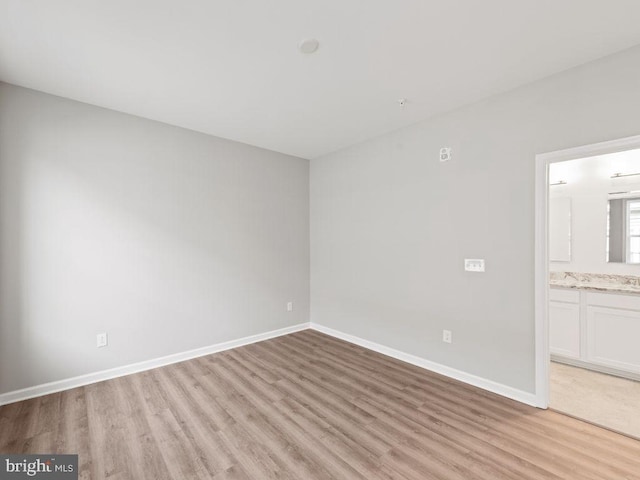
x=101, y=340
x=447, y=336
x=289, y=306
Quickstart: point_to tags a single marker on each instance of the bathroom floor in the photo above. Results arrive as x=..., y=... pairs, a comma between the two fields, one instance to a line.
x=605, y=400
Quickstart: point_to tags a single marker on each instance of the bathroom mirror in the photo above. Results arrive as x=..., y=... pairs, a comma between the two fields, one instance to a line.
x=560, y=229
x=623, y=230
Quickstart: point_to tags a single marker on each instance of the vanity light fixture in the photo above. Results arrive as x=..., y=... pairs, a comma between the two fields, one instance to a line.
x=619, y=175
x=559, y=182
x=630, y=192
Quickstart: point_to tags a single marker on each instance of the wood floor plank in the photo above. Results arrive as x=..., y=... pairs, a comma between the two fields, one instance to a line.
x=309, y=406
x=72, y=431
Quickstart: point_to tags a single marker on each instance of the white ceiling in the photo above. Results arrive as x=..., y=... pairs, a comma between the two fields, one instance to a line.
x=231, y=68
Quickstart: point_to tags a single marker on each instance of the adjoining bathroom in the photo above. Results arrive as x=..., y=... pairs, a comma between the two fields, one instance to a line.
x=594, y=295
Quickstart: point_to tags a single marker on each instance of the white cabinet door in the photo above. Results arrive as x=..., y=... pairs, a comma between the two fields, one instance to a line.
x=564, y=329
x=614, y=338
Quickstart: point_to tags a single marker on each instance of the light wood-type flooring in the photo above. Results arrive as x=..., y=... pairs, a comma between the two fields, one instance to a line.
x=308, y=406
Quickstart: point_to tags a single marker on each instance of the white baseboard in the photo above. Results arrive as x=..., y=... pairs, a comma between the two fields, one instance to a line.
x=490, y=385
x=68, y=383
x=596, y=368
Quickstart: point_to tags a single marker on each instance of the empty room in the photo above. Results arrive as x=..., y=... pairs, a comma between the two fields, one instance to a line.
x=320, y=240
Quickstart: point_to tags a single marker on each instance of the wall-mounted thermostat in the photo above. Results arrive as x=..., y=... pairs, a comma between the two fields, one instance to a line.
x=445, y=154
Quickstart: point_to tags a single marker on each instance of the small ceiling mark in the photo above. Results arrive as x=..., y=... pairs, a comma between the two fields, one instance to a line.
x=310, y=45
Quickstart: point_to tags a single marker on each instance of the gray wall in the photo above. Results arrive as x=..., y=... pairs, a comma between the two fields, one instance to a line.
x=390, y=225
x=166, y=239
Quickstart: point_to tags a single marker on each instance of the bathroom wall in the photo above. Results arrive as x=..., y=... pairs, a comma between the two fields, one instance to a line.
x=588, y=184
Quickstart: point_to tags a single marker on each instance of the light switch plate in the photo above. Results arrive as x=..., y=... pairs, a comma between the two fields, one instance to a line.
x=474, y=264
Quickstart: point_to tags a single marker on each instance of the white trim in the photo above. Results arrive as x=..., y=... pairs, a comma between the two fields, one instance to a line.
x=584, y=151
x=543, y=161
x=541, y=283
x=476, y=381
x=576, y=362
x=68, y=383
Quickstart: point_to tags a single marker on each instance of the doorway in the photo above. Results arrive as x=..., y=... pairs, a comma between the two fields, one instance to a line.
x=587, y=278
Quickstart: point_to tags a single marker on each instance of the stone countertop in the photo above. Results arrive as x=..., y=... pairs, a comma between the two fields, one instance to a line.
x=596, y=282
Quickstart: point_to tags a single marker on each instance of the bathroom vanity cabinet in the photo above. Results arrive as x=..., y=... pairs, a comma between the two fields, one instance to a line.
x=595, y=330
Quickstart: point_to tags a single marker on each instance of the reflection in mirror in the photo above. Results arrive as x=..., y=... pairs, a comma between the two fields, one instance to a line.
x=623, y=230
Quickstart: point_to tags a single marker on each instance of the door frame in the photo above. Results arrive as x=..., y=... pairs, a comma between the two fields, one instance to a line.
x=541, y=278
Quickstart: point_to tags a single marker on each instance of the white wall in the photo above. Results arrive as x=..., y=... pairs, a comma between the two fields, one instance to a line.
x=391, y=225
x=588, y=186
x=165, y=238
